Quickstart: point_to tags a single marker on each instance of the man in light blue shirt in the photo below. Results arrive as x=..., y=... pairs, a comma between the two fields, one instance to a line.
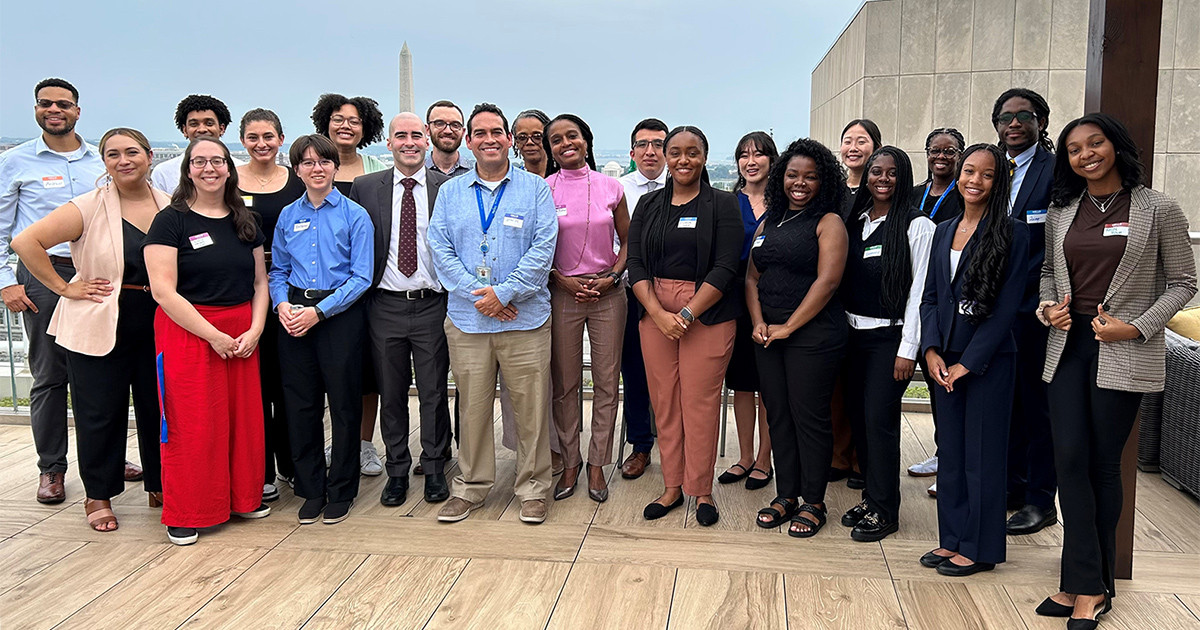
x=493, y=234
x=35, y=178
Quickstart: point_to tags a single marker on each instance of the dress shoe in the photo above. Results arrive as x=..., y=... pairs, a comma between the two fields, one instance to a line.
x=1090, y=624
x=436, y=489
x=133, y=472
x=395, y=492
x=873, y=528
x=533, y=511
x=310, y=511
x=838, y=474
x=656, y=510
x=597, y=492
x=1030, y=520
x=950, y=569
x=182, y=535
x=1051, y=608
x=856, y=481
x=932, y=560
x=707, y=514
x=50, y=488
x=262, y=511
x=635, y=465
x=456, y=509
x=337, y=511
x=566, y=483
x=855, y=514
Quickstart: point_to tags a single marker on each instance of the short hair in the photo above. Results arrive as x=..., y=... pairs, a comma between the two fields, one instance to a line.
x=870, y=127
x=531, y=113
x=368, y=111
x=319, y=143
x=58, y=83
x=259, y=114
x=652, y=124
x=1068, y=184
x=198, y=103
x=486, y=108
x=442, y=103
x=1041, y=109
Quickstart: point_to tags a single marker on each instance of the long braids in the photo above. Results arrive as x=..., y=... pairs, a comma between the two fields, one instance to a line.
x=989, y=259
x=657, y=221
x=943, y=131
x=1041, y=110
x=897, y=257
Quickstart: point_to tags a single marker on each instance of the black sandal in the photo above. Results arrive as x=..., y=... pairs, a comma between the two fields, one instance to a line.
x=777, y=518
x=731, y=477
x=813, y=527
x=758, y=484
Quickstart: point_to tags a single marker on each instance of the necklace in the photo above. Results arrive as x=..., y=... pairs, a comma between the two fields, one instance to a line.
x=1103, y=207
x=262, y=183
x=587, y=215
x=786, y=218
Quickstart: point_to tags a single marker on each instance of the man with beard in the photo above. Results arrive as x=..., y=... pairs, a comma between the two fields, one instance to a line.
x=445, y=129
x=196, y=115
x=35, y=178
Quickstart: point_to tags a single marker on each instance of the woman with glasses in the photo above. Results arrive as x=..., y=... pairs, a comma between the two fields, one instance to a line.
x=204, y=255
x=527, y=130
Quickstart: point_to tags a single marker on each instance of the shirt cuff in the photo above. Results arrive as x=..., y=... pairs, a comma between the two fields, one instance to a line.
x=503, y=293
x=908, y=351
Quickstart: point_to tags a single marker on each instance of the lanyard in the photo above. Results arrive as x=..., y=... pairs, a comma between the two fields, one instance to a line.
x=923, y=198
x=486, y=221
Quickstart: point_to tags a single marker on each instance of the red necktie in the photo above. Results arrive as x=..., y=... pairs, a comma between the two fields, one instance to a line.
x=406, y=257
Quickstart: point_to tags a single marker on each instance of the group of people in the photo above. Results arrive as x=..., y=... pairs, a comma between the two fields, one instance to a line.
x=1030, y=281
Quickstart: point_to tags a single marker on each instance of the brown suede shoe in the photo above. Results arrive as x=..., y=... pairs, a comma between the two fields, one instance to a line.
x=50, y=488
x=635, y=465
x=456, y=509
x=133, y=472
x=533, y=511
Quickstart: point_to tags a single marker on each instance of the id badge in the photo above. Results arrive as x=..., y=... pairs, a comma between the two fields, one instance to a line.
x=874, y=251
x=248, y=200
x=758, y=241
x=560, y=211
x=53, y=181
x=200, y=240
x=514, y=220
x=483, y=274
x=1116, y=229
x=1034, y=217
x=301, y=224
x=687, y=222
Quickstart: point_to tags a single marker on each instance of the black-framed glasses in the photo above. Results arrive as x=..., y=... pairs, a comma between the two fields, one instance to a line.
x=642, y=144
x=201, y=162
x=522, y=138
x=1024, y=116
x=948, y=152
x=46, y=103
x=438, y=125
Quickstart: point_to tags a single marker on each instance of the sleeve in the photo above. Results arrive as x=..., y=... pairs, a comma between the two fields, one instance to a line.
x=1179, y=268
x=635, y=263
x=281, y=264
x=931, y=336
x=730, y=235
x=533, y=269
x=362, y=255
x=166, y=229
x=999, y=325
x=450, y=270
x=8, y=218
x=920, y=242
x=1047, y=290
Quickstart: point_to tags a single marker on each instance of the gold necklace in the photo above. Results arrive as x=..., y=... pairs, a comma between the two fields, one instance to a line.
x=262, y=184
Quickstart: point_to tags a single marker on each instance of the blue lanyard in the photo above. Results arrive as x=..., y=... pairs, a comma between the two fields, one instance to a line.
x=486, y=222
x=923, y=198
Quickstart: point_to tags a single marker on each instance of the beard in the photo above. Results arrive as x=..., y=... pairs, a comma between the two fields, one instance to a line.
x=67, y=129
x=447, y=145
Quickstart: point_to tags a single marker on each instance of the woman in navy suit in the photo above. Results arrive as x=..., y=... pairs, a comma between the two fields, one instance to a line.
x=972, y=291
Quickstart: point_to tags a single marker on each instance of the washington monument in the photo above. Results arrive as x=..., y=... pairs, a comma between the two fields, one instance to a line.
x=407, y=102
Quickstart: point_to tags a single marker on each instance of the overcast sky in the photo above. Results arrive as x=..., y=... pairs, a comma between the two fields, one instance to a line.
x=726, y=66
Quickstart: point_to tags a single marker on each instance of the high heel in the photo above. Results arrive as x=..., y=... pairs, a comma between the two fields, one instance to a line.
x=1090, y=624
x=599, y=495
x=562, y=491
x=156, y=499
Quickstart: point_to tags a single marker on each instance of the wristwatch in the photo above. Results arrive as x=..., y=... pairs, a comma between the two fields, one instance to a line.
x=320, y=313
x=616, y=277
x=686, y=314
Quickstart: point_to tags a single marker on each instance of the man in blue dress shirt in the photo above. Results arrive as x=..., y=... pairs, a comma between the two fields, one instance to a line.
x=321, y=265
x=493, y=233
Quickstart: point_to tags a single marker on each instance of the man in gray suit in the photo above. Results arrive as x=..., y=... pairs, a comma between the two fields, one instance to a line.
x=406, y=308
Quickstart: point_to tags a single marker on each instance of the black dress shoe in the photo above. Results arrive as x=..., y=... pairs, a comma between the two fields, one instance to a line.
x=707, y=514
x=856, y=481
x=337, y=511
x=932, y=560
x=1051, y=608
x=395, y=491
x=1089, y=624
x=838, y=474
x=310, y=511
x=855, y=514
x=953, y=570
x=656, y=510
x=873, y=528
x=436, y=489
x=1030, y=519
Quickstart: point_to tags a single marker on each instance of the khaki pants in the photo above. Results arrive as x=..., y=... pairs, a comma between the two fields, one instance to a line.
x=524, y=355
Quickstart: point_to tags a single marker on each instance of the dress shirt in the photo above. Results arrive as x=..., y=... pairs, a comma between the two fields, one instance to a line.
x=425, y=277
x=33, y=182
x=334, y=252
x=920, y=242
x=520, y=240
x=165, y=176
x=458, y=169
x=1022, y=160
x=636, y=185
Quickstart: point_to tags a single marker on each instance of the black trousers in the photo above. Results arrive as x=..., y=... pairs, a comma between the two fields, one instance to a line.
x=872, y=398
x=1031, y=478
x=100, y=389
x=1091, y=426
x=406, y=333
x=326, y=360
x=279, y=453
x=48, y=363
x=638, y=429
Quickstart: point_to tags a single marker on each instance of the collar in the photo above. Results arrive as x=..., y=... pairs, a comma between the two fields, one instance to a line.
x=575, y=173
x=430, y=164
x=1025, y=156
x=477, y=181
x=397, y=176
x=640, y=179
x=332, y=199
x=39, y=147
x=866, y=216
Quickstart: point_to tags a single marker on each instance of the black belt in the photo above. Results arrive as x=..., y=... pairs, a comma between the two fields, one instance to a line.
x=418, y=294
x=62, y=260
x=307, y=297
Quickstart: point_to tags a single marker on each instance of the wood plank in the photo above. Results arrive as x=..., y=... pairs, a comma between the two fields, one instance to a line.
x=253, y=600
x=960, y=605
x=1172, y=512
x=819, y=602
x=1157, y=572
x=738, y=506
x=501, y=594
x=392, y=592
x=1033, y=566
x=143, y=524
x=604, y=596
x=717, y=600
x=628, y=497
x=1192, y=602
x=577, y=508
x=22, y=558
x=17, y=516
x=493, y=506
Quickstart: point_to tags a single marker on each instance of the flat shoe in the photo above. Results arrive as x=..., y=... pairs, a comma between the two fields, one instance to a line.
x=1051, y=608
x=758, y=484
x=731, y=477
x=656, y=510
x=955, y=570
x=707, y=514
x=932, y=560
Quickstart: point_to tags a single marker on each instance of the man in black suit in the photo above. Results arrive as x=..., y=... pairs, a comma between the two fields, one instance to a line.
x=1020, y=117
x=406, y=307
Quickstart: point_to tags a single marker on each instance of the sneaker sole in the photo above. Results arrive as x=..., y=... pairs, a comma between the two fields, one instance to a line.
x=532, y=519
x=263, y=514
x=367, y=473
x=267, y=498
x=921, y=474
x=186, y=540
x=334, y=521
x=308, y=521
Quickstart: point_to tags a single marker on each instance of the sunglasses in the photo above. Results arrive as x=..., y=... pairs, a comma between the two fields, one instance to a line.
x=1007, y=117
x=46, y=103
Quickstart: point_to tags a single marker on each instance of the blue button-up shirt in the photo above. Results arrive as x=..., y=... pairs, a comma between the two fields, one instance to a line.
x=34, y=181
x=520, y=240
x=330, y=247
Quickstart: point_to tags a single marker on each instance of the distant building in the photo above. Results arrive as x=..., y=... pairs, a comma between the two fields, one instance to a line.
x=407, y=101
x=613, y=169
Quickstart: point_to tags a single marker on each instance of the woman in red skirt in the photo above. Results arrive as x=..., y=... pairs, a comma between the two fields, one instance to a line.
x=204, y=254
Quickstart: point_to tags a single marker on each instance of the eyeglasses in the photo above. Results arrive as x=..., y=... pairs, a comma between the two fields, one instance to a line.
x=45, y=103
x=201, y=162
x=948, y=152
x=438, y=125
x=339, y=120
x=1007, y=117
x=642, y=144
x=310, y=164
x=522, y=138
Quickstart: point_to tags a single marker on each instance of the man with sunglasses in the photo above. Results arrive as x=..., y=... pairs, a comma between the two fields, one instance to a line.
x=35, y=178
x=445, y=130
x=196, y=115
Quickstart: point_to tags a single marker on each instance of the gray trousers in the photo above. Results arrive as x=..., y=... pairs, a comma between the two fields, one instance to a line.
x=48, y=363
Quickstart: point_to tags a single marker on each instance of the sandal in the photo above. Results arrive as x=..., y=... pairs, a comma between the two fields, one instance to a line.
x=101, y=516
x=758, y=484
x=777, y=518
x=813, y=527
x=731, y=477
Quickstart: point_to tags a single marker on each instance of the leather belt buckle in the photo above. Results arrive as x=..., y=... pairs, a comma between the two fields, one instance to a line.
x=310, y=294
x=414, y=295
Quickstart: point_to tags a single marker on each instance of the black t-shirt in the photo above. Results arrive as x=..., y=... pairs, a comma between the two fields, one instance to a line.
x=680, y=255
x=215, y=268
x=269, y=205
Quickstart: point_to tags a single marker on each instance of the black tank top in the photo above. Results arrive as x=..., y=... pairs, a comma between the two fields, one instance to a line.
x=786, y=260
x=135, y=265
x=862, y=282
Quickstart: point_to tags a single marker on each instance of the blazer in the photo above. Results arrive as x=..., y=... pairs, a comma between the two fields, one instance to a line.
x=1154, y=280
x=944, y=326
x=373, y=191
x=1030, y=208
x=85, y=326
x=719, y=235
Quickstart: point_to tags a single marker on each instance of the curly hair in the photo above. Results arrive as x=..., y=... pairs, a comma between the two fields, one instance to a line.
x=989, y=259
x=1068, y=184
x=368, y=111
x=955, y=134
x=831, y=196
x=552, y=165
x=244, y=221
x=764, y=143
x=1041, y=110
x=199, y=103
x=897, y=258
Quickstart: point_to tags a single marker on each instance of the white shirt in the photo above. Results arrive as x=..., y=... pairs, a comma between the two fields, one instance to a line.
x=637, y=185
x=424, y=277
x=955, y=256
x=920, y=242
x=165, y=176
x=1022, y=161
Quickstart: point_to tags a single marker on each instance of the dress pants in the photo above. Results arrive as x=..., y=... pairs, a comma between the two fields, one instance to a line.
x=872, y=403
x=972, y=457
x=845, y=457
x=326, y=360
x=1031, y=478
x=279, y=453
x=1091, y=426
x=524, y=355
x=685, y=378
x=48, y=363
x=405, y=334
x=638, y=430
x=605, y=321
x=100, y=389
x=508, y=416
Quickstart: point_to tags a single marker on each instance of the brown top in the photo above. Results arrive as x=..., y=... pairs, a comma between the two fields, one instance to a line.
x=1093, y=246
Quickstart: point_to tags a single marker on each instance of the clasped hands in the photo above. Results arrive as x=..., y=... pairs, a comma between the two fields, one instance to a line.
x=296, y=322
x=1106, y=326
x=942, y=375
x=585, y=288
x=491, y=306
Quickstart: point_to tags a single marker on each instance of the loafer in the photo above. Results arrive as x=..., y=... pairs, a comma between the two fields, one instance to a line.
x=456, y=509
x=855, y=514
x=873, y=528
x=262, y=511
x=436, y=489
x=182, y=535
x=1030, y=519
x=707, y=514
x=395, y=492
x=533, y=511
x=635, y=465
x=932, y=560
x=133, y=472
x=337, y=511
x=656, y=510
x=310, y=511
x=1051, y=608
x=953, y=570
x=50, y=488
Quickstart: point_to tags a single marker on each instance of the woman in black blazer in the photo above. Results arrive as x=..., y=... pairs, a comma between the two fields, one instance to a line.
x=684, y=245
x=972, y=290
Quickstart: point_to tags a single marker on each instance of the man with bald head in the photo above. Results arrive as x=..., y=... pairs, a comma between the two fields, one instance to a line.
x=406, y=307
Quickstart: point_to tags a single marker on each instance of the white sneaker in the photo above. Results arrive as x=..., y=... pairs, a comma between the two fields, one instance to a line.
x=369, y=460
x=270, y=492
x=927, y=468
x=933, y=490
x=328, y=456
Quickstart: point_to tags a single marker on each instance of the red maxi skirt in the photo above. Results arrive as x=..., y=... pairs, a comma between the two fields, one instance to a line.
x=212, y=422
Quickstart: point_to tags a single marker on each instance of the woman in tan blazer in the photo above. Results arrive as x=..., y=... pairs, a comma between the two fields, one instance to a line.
x=105, y=318
x=1118, y=266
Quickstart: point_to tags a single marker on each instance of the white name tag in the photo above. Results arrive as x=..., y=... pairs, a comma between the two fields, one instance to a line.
x=560, y=211
x=1116, y=229
x=1033, y=217
x=301, y=224
x=687, y=222
x=55, y=181
x=248, y=200
x=874, y=251
x=514, y=220
x=200, y=240
x=758, y=241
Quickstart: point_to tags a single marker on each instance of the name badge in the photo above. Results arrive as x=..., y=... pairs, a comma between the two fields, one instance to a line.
x=1033, y=217
x=55, y=181
x=248, y=200
x=965, y=307
x=560, y=211
x=687, y=222
x=301, y=224
x=874, y=251
x=514, y=220
x=758, y=241
x=483, y=274
x=1116, y=229
x=200, y=240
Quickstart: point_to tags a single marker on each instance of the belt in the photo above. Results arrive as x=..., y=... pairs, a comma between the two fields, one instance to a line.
x=307, y=297
x=62, y=260
x=417, y=294
x=135, y=287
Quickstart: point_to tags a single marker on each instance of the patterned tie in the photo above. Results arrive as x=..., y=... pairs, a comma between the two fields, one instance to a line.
x=1012, y=167
x=651, y=186
x=406, y=257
